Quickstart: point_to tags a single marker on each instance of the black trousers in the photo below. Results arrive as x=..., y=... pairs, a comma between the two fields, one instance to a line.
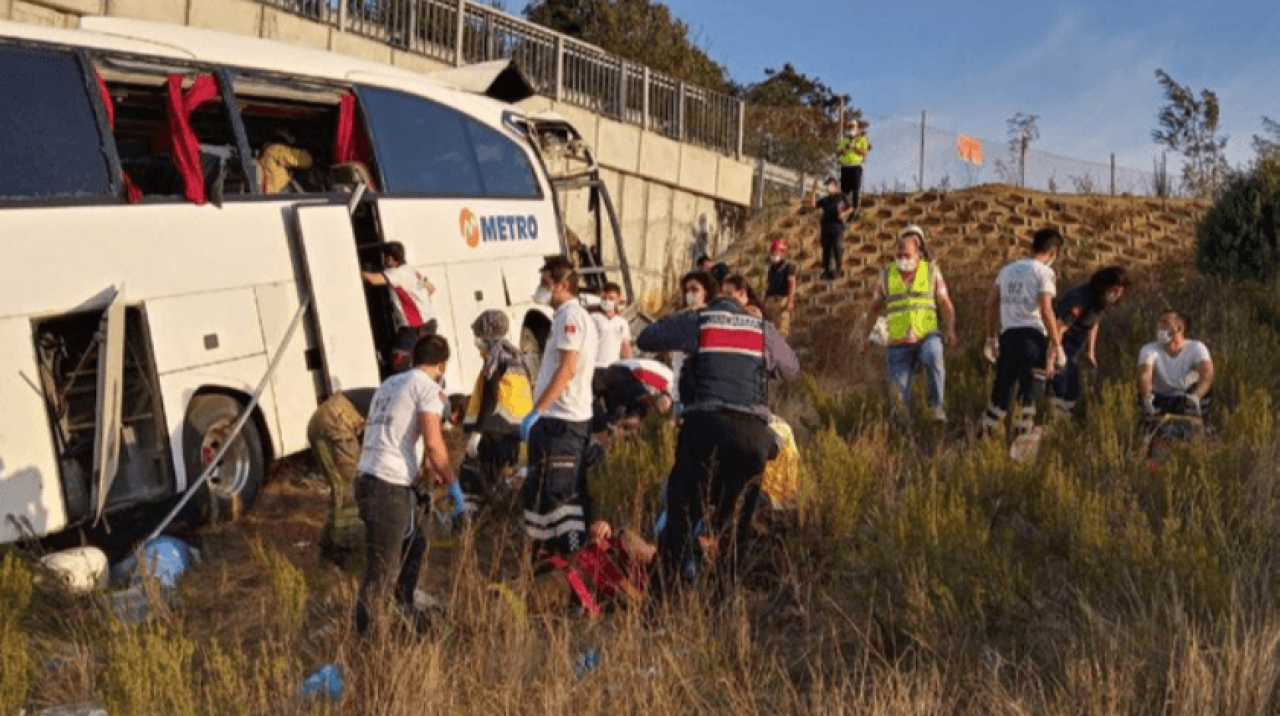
x=719, y=459
x=557, y=508
x=1177, y=403
x=1023, y=352
x=406, y=338
x=479, y=475
x=832, y=248
x=394, y=545
x=851, y=183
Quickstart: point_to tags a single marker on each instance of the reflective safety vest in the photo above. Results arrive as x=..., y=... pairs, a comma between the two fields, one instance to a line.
x=911, y=311
x=498, y=404
x=728, y=369
x=852, y=150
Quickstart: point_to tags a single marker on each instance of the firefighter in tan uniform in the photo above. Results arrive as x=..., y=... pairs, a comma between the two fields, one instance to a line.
x=335, y=432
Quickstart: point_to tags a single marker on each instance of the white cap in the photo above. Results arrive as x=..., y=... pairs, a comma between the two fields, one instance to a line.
x=912, y=230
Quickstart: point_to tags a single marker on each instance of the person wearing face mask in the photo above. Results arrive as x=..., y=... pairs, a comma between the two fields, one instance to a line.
x=697, y=287
x=407, y=408
x=724, y=440
x=557, y=506
x=501, y=398
x=835, y=211
x=615, y=334
x=1175, y=374
x=852, y=150
x=1079, y=313
x=780, y=288
x=921, y=319
x=1023, y=331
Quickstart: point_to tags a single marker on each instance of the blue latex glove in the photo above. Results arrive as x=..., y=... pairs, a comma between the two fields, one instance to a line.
x=459, y=500
x=526, y=425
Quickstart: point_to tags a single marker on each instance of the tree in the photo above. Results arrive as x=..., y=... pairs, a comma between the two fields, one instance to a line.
x=641, y=31
x=793, y=119
x=1267, y=144
x=1189, y=126
x=1022, y=132
x=1237, y=236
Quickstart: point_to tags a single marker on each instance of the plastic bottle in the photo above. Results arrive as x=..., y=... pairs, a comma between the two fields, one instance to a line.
x=325, y=682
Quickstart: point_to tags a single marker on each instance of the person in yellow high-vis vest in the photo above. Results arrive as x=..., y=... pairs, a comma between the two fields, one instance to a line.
x=921, y=319
x=852, y=150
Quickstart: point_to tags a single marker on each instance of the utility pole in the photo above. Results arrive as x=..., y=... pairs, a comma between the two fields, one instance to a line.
x=924, y=120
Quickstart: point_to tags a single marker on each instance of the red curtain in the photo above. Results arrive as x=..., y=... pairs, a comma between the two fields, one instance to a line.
x=131, y=191
x=343, y=147
x=350, y=143
x=183, y=144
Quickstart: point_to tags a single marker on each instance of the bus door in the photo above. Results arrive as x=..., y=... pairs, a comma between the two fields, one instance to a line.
x=332, y=273
x=106, y=446
x=475, y=287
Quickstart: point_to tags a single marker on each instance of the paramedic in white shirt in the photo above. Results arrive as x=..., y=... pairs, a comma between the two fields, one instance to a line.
x=411, y=301
x=406, y=414
x=1175, y=374
x=1020, y=307
x=557, y=508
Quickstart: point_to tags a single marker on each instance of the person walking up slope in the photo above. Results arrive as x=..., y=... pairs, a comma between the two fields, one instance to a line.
x=914, y=295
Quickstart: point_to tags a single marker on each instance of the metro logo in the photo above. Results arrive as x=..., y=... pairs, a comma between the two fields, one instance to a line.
x=509, y=228
x=470, y=227
x=497, y=228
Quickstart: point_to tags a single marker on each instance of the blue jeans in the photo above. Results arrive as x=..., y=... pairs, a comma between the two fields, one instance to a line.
x=903, y=361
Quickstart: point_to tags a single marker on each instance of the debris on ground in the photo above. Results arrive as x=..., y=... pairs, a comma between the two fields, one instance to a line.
x=326, y=682
x=80, y=570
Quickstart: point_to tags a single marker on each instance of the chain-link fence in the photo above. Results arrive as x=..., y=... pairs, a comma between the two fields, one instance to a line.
x=906, y=158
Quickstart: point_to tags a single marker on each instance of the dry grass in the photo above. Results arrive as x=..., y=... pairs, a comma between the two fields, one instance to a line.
x=921, y=573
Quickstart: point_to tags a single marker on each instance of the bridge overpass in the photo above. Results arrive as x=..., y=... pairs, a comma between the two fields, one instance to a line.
x=670, y=152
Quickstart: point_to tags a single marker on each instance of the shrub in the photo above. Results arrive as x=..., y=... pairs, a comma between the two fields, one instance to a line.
x=1237, y=237
x=15, y=658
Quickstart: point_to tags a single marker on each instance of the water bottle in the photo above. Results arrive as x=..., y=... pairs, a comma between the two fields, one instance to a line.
x=327, y=682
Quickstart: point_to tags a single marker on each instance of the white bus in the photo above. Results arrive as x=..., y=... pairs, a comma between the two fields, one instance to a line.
x=149, y=282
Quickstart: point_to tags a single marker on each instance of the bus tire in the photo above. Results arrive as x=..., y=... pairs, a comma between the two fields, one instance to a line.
x=233, y=488
x=532, y=343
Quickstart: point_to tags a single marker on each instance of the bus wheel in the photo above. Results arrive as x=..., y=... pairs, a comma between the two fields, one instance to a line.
x=532, y=343
x=234, y=485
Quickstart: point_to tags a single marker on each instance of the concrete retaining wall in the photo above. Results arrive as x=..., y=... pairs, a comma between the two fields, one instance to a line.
x=675, y=200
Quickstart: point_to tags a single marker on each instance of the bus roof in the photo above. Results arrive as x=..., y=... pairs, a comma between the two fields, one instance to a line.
x=181, y=42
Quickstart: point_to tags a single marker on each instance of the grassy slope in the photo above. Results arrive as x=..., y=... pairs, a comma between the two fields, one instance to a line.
x=921, y=573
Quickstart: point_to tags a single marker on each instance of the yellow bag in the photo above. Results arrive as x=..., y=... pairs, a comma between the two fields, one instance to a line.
x=781, y=478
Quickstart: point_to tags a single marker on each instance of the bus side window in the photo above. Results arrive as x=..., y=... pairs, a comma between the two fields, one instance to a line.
x=306, y=137
x=50, y=146
x=504, y=168
x=145, y=136
x=422, y=146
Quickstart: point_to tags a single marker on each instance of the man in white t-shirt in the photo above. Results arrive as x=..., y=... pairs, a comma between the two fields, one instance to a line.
x=615, y=333
x=407, y=412
x=1020, y=308
x=1175, y=374
x=557, y=508
x=411, y=301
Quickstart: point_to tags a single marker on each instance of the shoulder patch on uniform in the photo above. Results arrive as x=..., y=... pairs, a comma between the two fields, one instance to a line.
x=570, y=329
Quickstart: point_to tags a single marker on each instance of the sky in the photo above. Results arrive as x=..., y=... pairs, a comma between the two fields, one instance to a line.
x=1086, y=67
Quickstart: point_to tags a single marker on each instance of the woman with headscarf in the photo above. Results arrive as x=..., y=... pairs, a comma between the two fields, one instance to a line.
x=502, y=397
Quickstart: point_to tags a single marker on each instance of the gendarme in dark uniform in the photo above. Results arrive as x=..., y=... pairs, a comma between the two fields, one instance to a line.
x=724, y=439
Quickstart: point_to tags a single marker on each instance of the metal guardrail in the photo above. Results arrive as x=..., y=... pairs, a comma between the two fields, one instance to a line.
x=559, y=66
